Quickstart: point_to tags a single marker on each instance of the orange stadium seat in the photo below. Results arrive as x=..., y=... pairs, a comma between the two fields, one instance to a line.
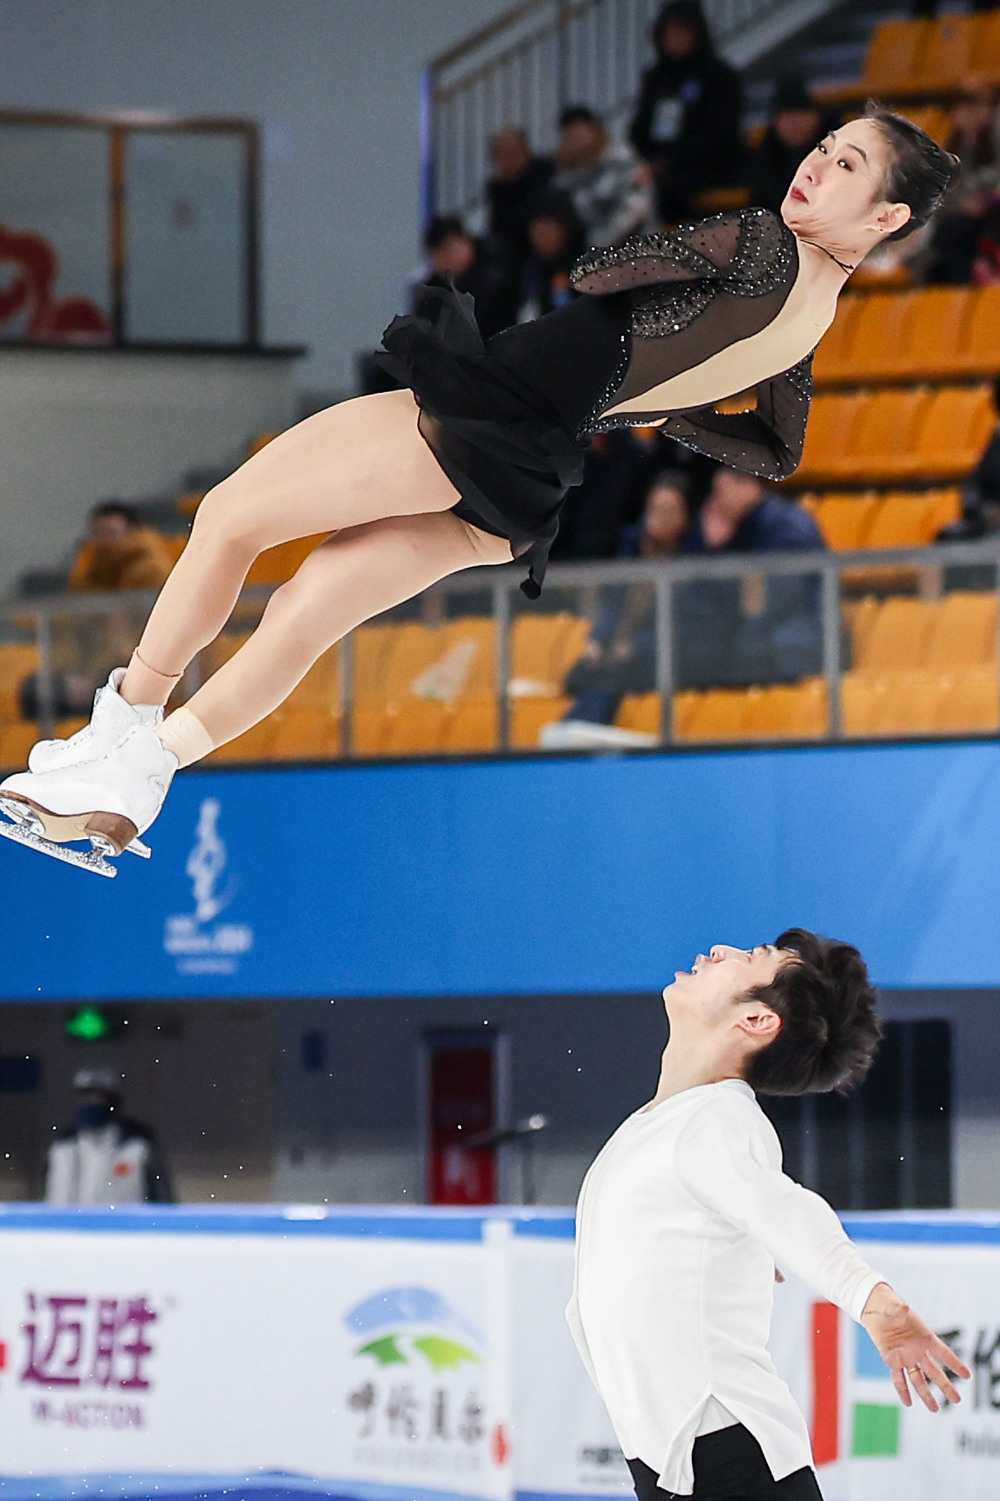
x=934, y=118
x=529, y=716
x=895, y=57
x=306, y=734
x=369, y=725
x=972, y=701
x=883, y=439
x=946, y=58
x=370, y=647
x=16, y=663
x=472, y=726
x=719, y=714
x=979, y=353
x=793, y=711
x=412, y=650
x=897, y=637
x=277, y=564
x=642, y=712
x=828, y=433
x=477, y=636
x=845, y=520
x=953, y=431
x=832, y=361
x=16, y=741
x=986, y=47
x=254, y=745
x=935, y=333
x=963, y=632
x=902, y=520
x=880, y=336
x=415, y=728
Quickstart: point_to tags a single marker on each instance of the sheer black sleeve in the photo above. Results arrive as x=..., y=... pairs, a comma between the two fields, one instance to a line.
x=768, y=441
x=739, y=251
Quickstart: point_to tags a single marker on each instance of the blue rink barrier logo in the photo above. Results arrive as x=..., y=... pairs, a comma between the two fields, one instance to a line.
x=197, y=941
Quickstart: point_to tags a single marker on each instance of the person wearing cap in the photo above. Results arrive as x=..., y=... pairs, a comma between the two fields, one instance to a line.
x=794, y=124
x=104, y=1158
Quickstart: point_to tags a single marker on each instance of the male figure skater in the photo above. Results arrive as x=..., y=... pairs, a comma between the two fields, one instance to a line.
x=685, y=1217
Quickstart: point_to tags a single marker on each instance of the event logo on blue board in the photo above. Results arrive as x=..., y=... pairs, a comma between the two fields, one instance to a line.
x=198, y=942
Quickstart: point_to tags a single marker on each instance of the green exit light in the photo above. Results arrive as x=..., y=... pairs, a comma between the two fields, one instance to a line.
x=88, y=1024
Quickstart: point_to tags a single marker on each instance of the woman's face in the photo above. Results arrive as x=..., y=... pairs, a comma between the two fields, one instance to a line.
x=838, y=191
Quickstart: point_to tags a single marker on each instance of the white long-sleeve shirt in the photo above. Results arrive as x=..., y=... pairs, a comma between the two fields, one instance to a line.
x=681, y=1221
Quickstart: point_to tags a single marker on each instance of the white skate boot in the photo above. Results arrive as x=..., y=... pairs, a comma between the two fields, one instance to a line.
x=111, y=720
x=108, y=801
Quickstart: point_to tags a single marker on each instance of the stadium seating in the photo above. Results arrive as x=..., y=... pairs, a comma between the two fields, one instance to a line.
x=910, y=433
x=909, y=59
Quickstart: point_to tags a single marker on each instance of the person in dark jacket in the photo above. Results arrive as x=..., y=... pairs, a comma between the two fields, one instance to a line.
x=453, y=254
x=796, y=123
x=519, y=179
x=687, y=122
x=556, y=237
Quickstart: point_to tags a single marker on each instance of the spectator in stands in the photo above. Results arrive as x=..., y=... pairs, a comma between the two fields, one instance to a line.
x=619, y=469
x=556, y=238
x=796, y=123
x=519, y=178
x=954, y=243
x=755, y=629
x=975, y=130
x=453, y=254
x=118, y=554
x=104, y=1158
x=687, y=124
x=620, y=656
x=610, y=188
x=981, y=494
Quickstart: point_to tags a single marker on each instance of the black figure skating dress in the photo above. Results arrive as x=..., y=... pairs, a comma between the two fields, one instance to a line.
x=669, y=325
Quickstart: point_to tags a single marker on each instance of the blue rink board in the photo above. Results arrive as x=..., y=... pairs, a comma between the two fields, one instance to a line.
x=526, y=876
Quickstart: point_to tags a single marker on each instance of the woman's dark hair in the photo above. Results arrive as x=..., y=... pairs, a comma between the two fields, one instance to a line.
x=829, y=1031
x=921, y=171
x=686, y=13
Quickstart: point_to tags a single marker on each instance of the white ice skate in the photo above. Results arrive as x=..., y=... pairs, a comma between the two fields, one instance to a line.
x=107, y=802
x=111, y=720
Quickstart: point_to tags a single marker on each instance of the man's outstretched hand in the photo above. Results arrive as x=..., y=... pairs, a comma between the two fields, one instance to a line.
x=910, y=1349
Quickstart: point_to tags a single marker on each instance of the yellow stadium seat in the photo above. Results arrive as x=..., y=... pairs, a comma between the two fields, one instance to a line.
x=793, y=711
x=175, y=543
x=413, y=649
x=832, y=361
x=986, y=47
x=946, y=58
x=902, y=520
x=721, y=200
x=369, y=727
x=979, y=353
x=686, y=702
x=305, y=735
x=947, y=507
x=277, y=564
x=828, y=432
x=859, y=616
x=370, y=648
x=879, y=343
x=844, y=520
x=720, y=714
x=897, y=638
x=529, y=716
x=253, y=745
x=542, y=650
x=963, y=632
x=894, y=61
x=883, y=439
x=642, y=712
x=16, y=663
x=971, y=701
x=16, y=741
x=415, y=728
x=472, y=726
x=934, y=118
x=319, y=690
x=953, y=431
x=478, y=635
x=935, y=334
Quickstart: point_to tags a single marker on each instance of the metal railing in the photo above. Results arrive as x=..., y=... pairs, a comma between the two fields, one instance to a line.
x=526, y=65
x=929, y=572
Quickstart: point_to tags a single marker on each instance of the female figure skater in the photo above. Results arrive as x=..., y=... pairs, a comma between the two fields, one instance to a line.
x=685, y=1215
x=470, y=463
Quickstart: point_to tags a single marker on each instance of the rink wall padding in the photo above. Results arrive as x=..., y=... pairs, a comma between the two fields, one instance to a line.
x=527, y=875
x=379, y=1355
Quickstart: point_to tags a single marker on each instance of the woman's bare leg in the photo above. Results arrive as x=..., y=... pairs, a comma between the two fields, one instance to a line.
x=357, y=574
x=357, y=462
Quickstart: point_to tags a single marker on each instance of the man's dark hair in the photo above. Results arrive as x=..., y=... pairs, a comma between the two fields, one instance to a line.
x=686, y=13
x=921, y=171
x=579, y=114
x=116, y=508
x=829, y=1031
x=443, y=227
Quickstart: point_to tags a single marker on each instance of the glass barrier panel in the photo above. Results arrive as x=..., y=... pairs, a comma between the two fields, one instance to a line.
x=55, y=282
x=748, y=657
x=186, y=228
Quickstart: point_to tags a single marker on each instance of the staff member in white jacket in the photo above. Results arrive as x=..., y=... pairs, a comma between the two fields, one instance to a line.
x=104, y=1158
x=685, y=1217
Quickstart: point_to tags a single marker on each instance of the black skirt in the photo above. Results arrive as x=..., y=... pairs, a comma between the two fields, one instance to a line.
x=508, y=443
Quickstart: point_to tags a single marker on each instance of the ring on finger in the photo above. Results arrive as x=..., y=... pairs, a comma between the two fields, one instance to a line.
x=909, y=1369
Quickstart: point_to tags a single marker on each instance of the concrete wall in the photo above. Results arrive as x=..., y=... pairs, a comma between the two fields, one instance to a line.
x=80, y=426
x=333, y=83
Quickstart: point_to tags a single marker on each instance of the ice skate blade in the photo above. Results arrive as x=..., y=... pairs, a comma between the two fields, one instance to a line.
x=112, y=831
x=91, y=859
x=137, y=847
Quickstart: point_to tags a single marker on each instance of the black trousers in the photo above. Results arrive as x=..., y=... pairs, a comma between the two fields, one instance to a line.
x=730, y=1466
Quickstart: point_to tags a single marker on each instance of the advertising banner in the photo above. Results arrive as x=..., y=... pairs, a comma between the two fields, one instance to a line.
x=407, y=1357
